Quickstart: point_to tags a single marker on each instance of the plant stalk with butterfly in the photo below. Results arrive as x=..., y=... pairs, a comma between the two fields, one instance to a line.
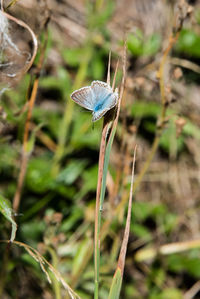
x=100, y=98
x=108, y=133
x=105, y=148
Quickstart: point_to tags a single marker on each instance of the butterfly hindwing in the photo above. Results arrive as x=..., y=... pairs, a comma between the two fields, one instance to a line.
x=110, y=102
x=97, y=115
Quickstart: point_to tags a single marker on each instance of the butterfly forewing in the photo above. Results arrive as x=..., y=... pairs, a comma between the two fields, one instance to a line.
x=84, y=97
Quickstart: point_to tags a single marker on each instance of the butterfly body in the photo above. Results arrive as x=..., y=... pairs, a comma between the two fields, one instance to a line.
x=99, y=98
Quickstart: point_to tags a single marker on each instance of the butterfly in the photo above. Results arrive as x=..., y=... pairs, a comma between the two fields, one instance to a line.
x=98, y=98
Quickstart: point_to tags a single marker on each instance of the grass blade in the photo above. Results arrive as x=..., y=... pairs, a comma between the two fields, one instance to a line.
x=116, y=285
x=118, y=276
x=5, y=209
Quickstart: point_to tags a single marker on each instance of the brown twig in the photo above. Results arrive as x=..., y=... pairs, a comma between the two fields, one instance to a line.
x=122, y=255
x=25, y=153
x=186, y=64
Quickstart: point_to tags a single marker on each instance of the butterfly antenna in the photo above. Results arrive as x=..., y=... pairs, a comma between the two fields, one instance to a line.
x=115, y=74
x=108, y=73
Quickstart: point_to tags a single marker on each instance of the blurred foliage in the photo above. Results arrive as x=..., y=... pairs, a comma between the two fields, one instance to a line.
x=189, y=43
x=138, y=45
x=71, y=192
x=5, y=209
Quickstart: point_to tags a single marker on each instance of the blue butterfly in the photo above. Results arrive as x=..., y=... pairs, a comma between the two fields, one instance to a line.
x=99, y=98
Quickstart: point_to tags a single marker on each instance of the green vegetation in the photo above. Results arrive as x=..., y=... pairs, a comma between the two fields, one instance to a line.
x=52, y=225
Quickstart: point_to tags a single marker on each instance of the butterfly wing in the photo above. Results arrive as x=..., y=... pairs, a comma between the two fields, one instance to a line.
x=99, y=98
x=109, y=103
x=101, y=90
x=84, y=97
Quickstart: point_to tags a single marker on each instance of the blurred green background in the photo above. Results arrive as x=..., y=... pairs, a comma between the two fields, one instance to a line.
x=56, y=212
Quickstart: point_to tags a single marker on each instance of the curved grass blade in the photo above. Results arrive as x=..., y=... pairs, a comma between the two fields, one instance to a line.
x=118, y=276
x=45, y=266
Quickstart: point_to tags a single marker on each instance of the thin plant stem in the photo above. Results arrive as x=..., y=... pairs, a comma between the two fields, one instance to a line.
x=98, y=199
x=156, y=141
x=11, y=3
x=25, y=154
x=98, y=211
x=122, y=255
x=104, y=146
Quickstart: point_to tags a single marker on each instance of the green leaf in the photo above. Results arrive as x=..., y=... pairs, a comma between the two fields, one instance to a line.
x=134, y=43
x=189, y=43
x=34, y=231
x=144, y=109
x=98, y=18
x=168, y=293
x=8, y=158
x=60, y=83
x=39, y=177
x=191, y=129
x=169, y=141
x=152, y=45
x=80, y=256
x=142, y=210
x=139, y=45
x=193, y=266
x=179, y=263
x=83, y=134
x=31, y=142
x=73, y=56
x=71, y=172
x=97, y=67
x=90, y=178
x=141, y=231
x=116, y=285
x=76, y=214
x=5, y=209
x=171, y=293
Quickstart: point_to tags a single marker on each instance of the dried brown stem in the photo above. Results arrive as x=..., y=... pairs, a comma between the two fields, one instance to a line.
x=122, y=255
x=25, y=154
